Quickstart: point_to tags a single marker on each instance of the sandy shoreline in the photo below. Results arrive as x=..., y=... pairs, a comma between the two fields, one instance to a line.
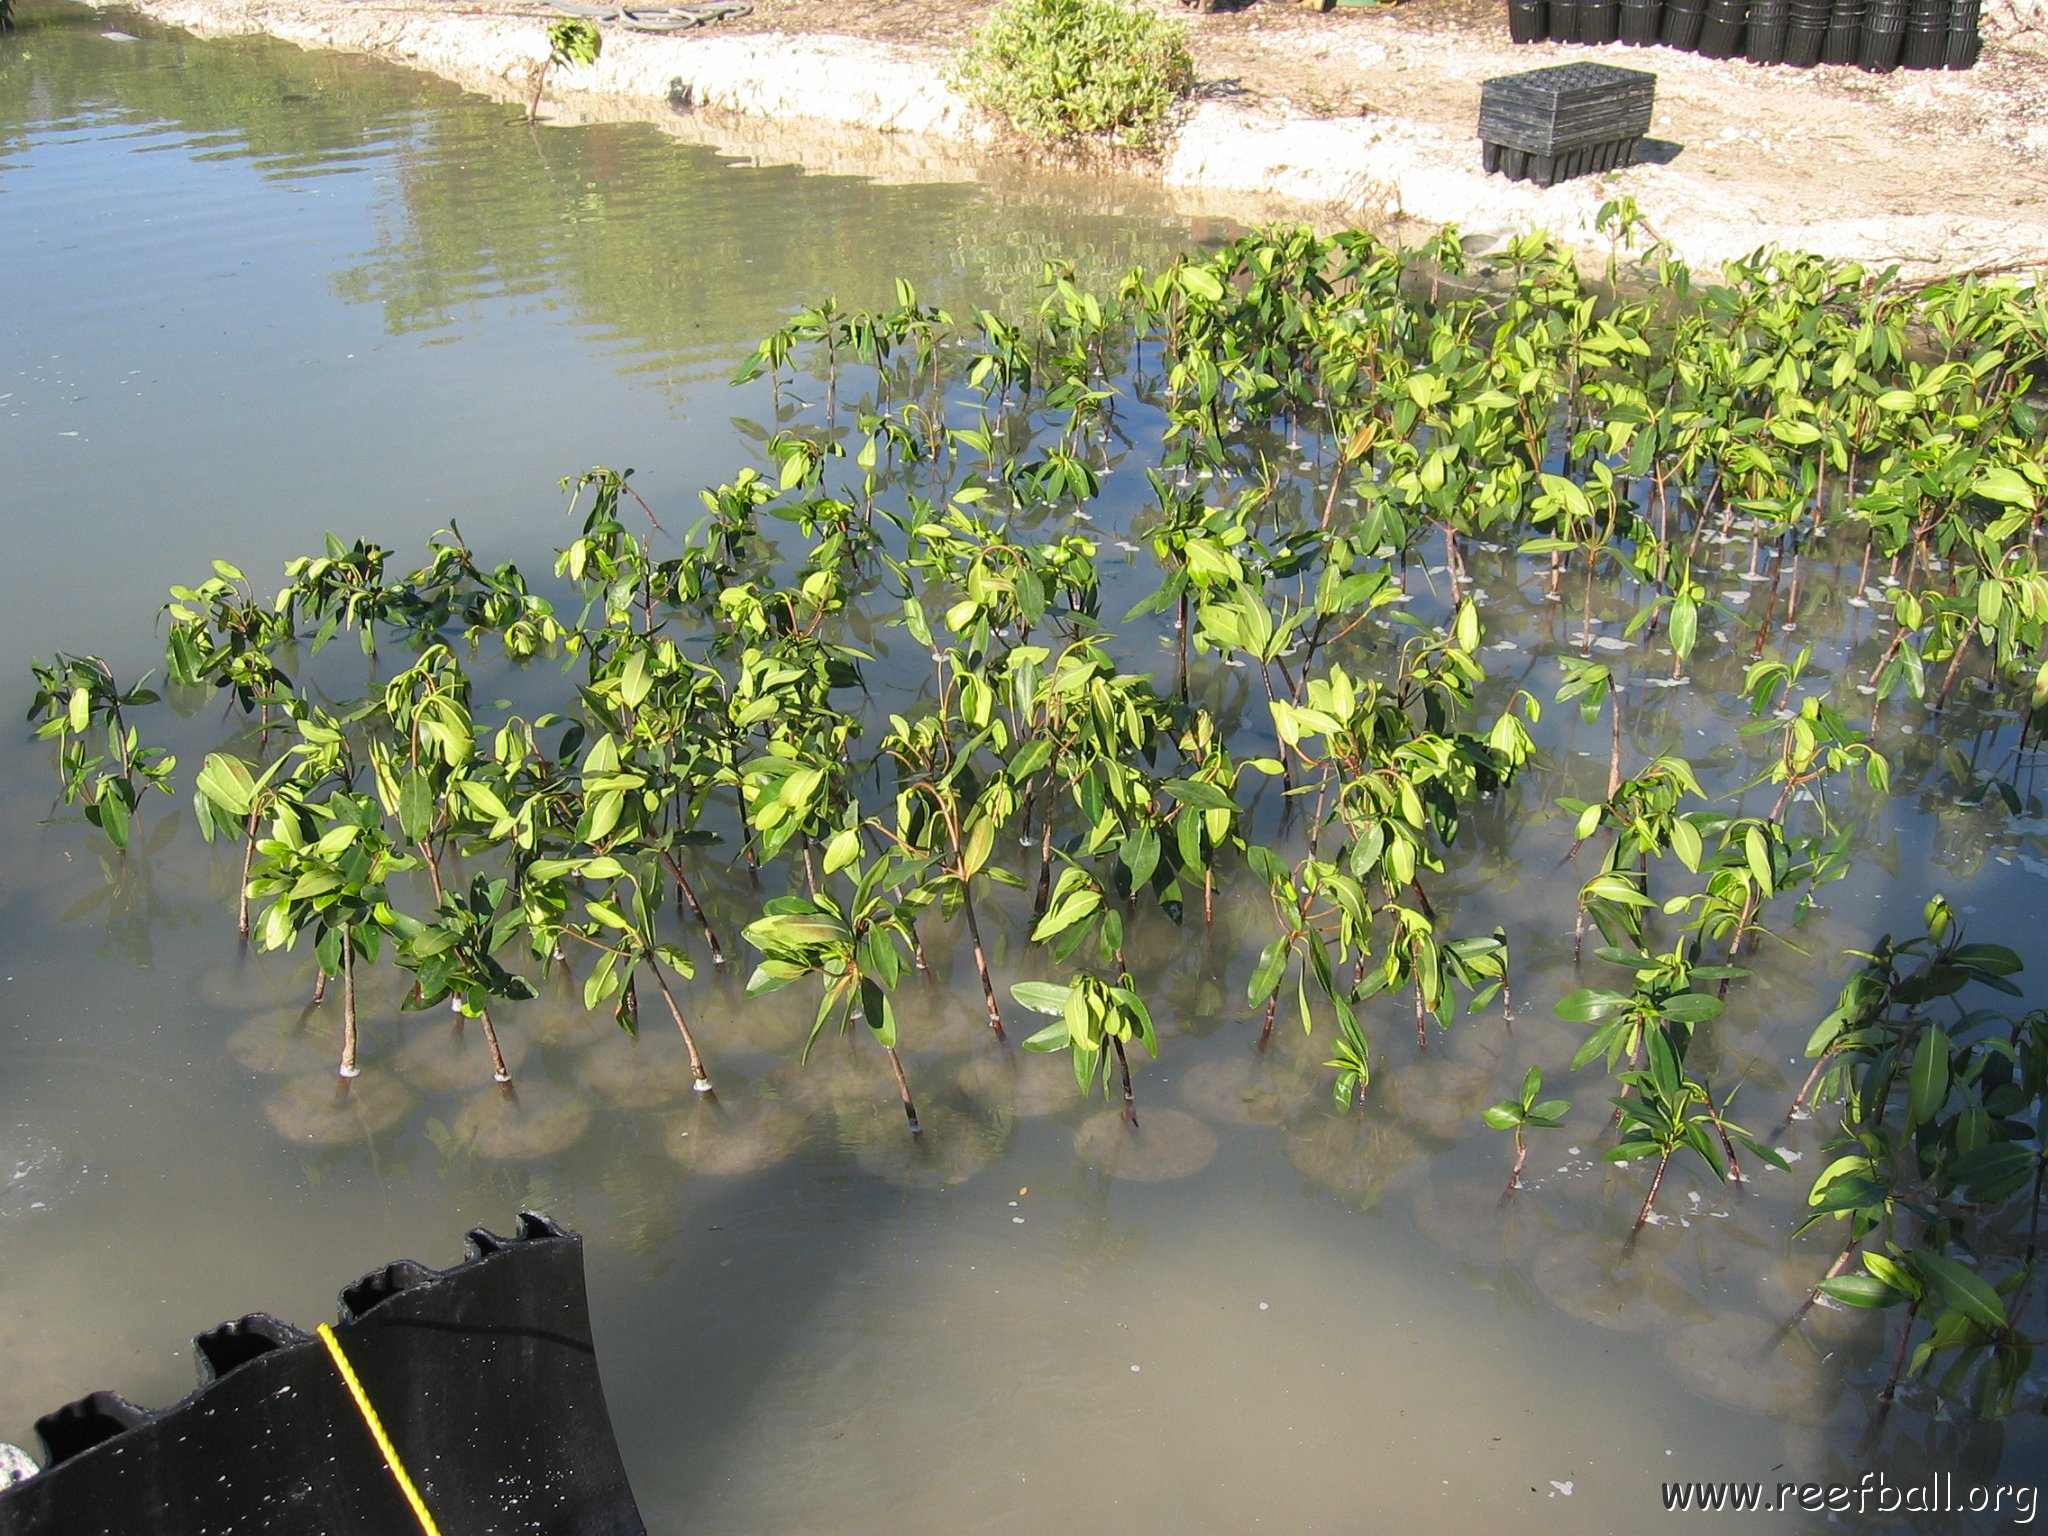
x=1935, y=172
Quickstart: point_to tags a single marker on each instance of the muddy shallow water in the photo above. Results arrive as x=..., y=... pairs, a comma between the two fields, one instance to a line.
x=255, y=294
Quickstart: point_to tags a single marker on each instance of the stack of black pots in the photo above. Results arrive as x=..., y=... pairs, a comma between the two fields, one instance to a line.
x=1641, y=20
x=1844, y=42
x=1963, y=39
x=1884, y=33
x=1764, y=41
x=1806, y=31
x=1721, y=28
x=1682, y=19
x=1877, y=34
x=1550, y=125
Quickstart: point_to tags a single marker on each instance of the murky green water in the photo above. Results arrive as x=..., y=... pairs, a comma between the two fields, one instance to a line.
x=251, y=294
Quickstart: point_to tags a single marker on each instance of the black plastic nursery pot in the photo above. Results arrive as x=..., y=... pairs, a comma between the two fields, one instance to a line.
x=1805, y=35
x=1844, y=42
x=1564, y=21
x=1599, y=21
x=1682, y=25
x=1764, y=42
x=1549, y=170
x=1963, y=41
x=1924, y=47
x=1880, y=51
x=1641, y=24
x=1528, y=20
x=1720, y=39
x=482, y=1380
x=1721, y=31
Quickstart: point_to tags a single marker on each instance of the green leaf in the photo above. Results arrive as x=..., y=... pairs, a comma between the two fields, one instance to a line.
x=981, y=841
x=1588, y=1004
x=1066, y=912
x=1927, y=1089
x=1866, y=1291
x=1202, y=796
x=1691, y=1007
x=1267, y=973
x=416, y=806
x=789, y=931
x=112, y=811
x=1963, y=1289
x=228, y=783
x=1758, y=852
x=1047, y=997
x=1685, y=626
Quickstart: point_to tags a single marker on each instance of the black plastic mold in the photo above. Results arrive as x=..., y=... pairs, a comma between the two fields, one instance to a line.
x=484, y=1376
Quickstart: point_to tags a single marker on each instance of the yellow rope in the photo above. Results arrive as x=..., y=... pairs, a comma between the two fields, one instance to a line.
x=355, y=1390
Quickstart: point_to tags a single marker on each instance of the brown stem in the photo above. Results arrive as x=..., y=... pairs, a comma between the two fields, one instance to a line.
x=1728, y=1147
x=1948, y=678
x=1891, y=1385
x=1898, y=639
x=1614, y=735
x=433, y=870
x=1806, y=1087
x=903, y=1087
x=1130, y=1099
x=348, y=1004
x=1649, y=1200
x=988, y=987
x=499, y=1072
x=1180, y=646
x=689, y=894
x=1841, y=1263
x=703, y=1079
x=1044, y=857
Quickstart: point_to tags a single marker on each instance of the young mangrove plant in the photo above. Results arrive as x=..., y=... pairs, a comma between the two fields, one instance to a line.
x=1522, y=1113
x=1779, y=545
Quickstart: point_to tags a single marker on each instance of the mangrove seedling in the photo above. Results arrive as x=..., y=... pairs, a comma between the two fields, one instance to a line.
x=1520, y=1114
x=73, y=694
x=858, y=948
x=570, y=41
x=1094, y=1021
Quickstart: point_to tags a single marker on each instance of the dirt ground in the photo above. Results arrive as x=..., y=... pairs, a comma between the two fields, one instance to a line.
x=1371, y=111
x=1781, y=145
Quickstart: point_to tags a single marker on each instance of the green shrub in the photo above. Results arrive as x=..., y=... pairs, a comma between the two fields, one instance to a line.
x=1061, y=69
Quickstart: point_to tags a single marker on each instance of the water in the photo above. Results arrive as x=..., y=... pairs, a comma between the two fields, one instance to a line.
x=254, y=293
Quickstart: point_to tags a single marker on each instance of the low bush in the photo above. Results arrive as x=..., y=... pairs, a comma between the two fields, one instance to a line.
x=1062, y=70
